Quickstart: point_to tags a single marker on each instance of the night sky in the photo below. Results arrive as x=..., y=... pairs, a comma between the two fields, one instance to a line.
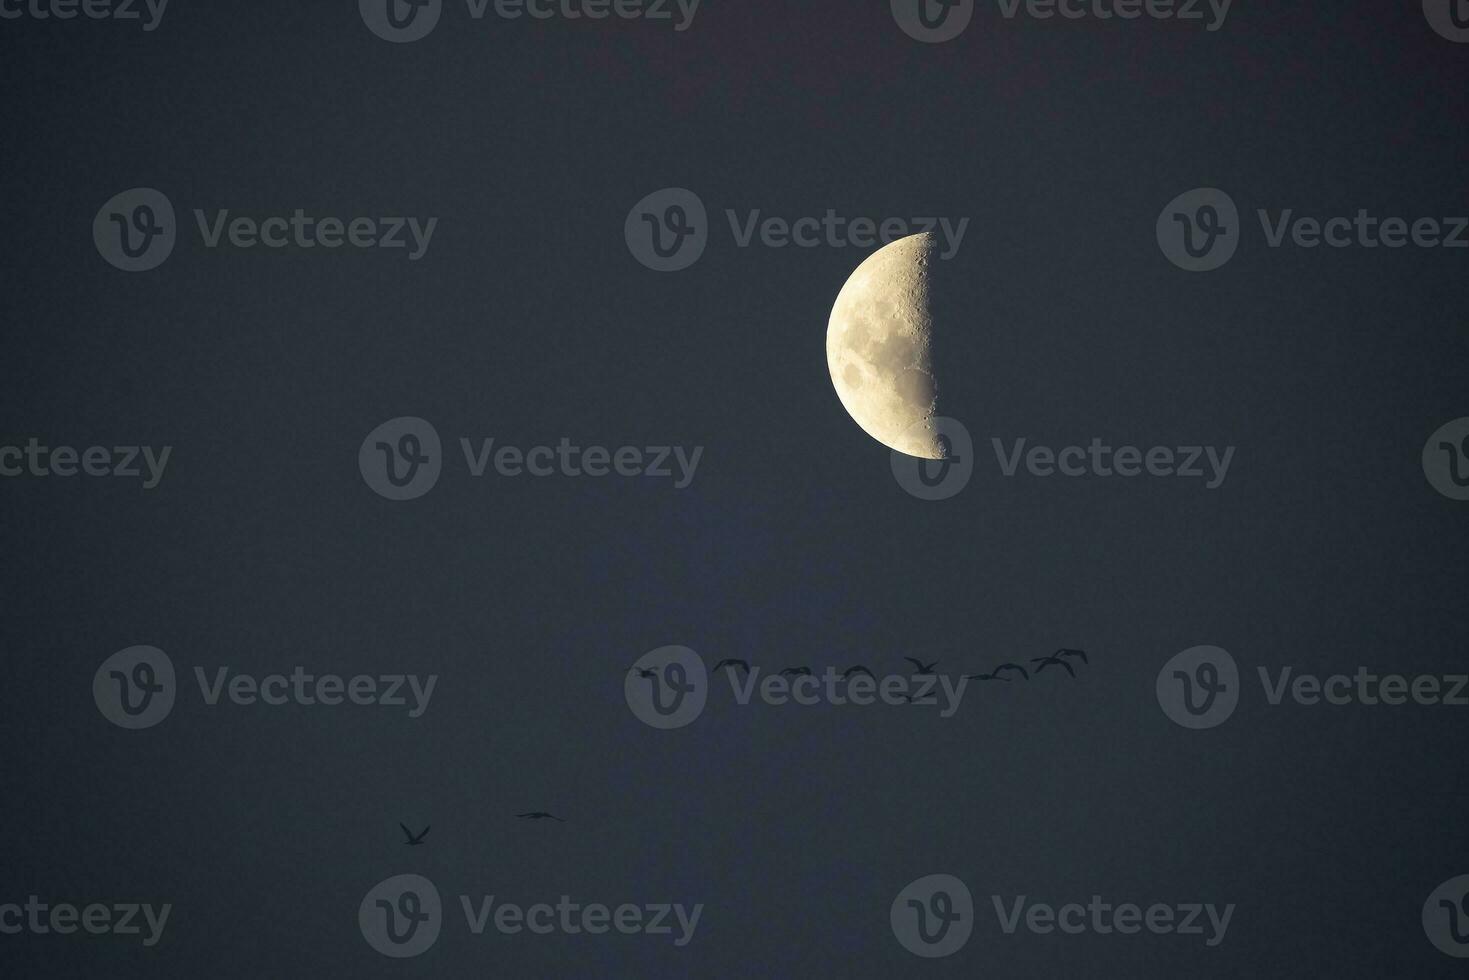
x=528, y=320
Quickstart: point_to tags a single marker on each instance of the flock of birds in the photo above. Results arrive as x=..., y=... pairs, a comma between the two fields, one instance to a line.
x=1061, y=658
x=1057, y=659
x=414, y=840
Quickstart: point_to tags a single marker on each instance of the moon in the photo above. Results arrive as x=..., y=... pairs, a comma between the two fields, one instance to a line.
x=879, y=347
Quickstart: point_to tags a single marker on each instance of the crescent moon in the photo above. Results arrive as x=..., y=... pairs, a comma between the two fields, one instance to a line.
x=879, y=348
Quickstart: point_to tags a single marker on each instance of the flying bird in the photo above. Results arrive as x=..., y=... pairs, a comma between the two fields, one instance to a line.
x=923, y=668
x=994, y=675
x=642, y=671
x=1053, y=659
x=858, y=669
x=733, y=663
x=412, y=840
x=797, y=671
x=1073, y=653
x=539, y=815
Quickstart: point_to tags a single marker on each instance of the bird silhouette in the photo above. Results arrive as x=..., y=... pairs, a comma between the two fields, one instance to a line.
x=732, y=663
x=410, y=839
x=923, y=668
x=858, y=669
x=539, y=815
x=642, y=671
x=797, y=671
x=994, y=675
x=1073, y=653
x=1052, y=660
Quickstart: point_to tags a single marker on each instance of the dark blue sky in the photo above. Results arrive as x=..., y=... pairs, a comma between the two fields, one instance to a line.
x=529, y=321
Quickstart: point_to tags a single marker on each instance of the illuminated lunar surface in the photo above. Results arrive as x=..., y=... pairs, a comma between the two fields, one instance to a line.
x=879, y=347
